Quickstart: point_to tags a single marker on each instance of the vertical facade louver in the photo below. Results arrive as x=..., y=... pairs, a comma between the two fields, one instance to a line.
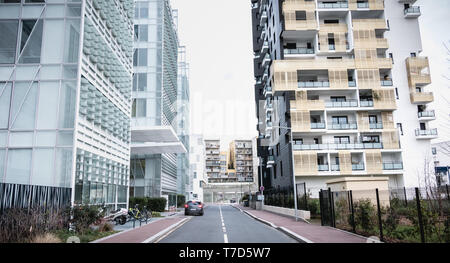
x=65, y=99
x=342, y=81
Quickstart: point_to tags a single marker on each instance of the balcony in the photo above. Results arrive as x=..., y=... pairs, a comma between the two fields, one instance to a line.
x=323, y=167
x=426, y=134
x=317, y=125
x=341, y=104
x=352, y=83
x=426, y=115
x=342, y=126
x=268, y=91
x=266, y=60
x=335, y=167
x=338, y=5
x=386, y=83
x=270, y=160
x=412, y=12
x=421, y=97
x=313, y=84
x=337, y=146
x=263, y=18
x=265, y=47
x=374, y=126
x=392, y=166
x=362, y=5
x=299, y=51
x=358, y=167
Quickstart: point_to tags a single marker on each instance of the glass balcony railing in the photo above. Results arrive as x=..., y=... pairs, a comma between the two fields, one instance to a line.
x=313, y=84
x=366, y=103
x=317, y=125
x=374, y=125
x=427, y=114
x=412, y=10
x=431, y=132
x=337, y=146
x=393, y=166
x=358, y=167
x=386, y=83
x=335, y=167
x=333, y=5
x=342, y=126
x=352, y=83
x=298, y=51
x=341, y=104
x=323, y=167
x=331, y=47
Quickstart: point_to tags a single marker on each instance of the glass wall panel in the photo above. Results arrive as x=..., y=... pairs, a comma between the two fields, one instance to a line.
x=45, y=139
x=48, y=105
x=3, y=138
x=65, y=138
x=8, y=41
x=43, y=167
x=53, y=43
x=63, y=167
x=18, y=166
x=50, y=72
x=67, y=105
x=72, y=41
x=2, y=164
x=21, y=139
x=26, y=108
x=31, y=41
x=5, y=99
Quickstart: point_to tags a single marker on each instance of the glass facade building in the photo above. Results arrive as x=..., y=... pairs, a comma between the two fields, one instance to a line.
x=154, y=132
x=65, y=101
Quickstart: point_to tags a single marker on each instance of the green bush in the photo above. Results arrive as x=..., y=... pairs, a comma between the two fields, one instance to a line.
x=84, y=216
x=314, y=207
x=157, y=204
x=181, y=200
x=140, y=201
x=365, y=216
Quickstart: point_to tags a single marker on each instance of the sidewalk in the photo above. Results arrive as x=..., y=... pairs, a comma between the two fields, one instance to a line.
x=305, y=232
x=146, y=233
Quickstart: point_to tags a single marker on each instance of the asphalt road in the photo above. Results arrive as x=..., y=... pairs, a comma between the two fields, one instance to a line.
x=225, y=224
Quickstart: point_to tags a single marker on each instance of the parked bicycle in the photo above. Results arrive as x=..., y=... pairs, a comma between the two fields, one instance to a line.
x=136, y=214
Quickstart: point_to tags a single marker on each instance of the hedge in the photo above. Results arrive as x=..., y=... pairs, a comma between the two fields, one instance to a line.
x=156, y=204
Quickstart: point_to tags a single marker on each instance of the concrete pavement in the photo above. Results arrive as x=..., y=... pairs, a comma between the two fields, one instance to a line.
x=300, y=230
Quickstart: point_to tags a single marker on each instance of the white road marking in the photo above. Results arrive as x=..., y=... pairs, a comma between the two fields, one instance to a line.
x=224, y=229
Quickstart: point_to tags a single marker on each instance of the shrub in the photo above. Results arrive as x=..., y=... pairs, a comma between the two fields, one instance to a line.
x=156, y=214
x=19, y=225
x=84, y=216
x=140, y=201
x=314, y=207
x=157, y=204
x=106, y=227
x=46, y=238
x=181, y=200
x=365, y=215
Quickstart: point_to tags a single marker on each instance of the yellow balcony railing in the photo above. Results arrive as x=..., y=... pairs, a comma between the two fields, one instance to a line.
x=421, y=97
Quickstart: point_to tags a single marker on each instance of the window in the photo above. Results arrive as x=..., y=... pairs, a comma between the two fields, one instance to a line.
x=338, y=98
x=139, y=108
x=399, y=126
x=278, y=149
x=300, y=15
x=371, y=139
x=274, y=171
x=298, y=141
x=413, y=55
x=8, y=41
x=433, y=150
x=31, y=41
x=331, y=21
x=140, y=82
x=341, y=139
x=281, y=168
x=392, y=57
x=373, y=119
x=396, y=93
x=339, y=119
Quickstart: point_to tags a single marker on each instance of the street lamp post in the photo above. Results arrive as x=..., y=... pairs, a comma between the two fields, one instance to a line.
x=261, y=178
x=293, y=170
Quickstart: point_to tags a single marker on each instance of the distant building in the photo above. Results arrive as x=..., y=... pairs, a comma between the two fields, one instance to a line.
x=441, y=159
x=197, y=167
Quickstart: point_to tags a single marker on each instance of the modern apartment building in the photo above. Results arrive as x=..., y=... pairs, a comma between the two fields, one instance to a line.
x=65, y=102
x=441, y=161
x=344, y=82
x=241, y=160
x=154, y=134
x=215, y=161
x=197, y=166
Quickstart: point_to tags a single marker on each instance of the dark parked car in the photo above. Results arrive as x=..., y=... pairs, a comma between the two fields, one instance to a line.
x=193, y=208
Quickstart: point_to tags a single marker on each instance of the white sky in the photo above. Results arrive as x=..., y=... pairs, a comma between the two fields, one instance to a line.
x=218, y=39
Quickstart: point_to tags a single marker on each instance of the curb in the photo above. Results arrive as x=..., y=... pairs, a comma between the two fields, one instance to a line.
x=168, y=229
x=281, y=229
x=354, y=234
x=123, y=231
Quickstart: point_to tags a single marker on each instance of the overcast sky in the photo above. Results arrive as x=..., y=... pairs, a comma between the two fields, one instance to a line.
x=218, y=39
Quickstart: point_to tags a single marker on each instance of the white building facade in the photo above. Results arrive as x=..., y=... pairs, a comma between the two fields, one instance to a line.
x=197, y=157
x=65, y=98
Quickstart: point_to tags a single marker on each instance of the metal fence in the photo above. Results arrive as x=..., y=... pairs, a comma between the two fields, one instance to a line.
x=284, y=197
x=395, y=215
